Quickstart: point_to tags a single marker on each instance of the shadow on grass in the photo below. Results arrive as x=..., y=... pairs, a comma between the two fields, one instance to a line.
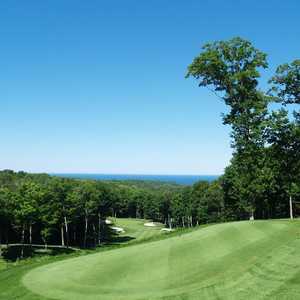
x=14, y=252
x=111, y=237
x=116, y=240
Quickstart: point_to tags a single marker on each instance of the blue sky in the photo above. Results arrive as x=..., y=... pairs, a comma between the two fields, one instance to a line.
x=98, y=86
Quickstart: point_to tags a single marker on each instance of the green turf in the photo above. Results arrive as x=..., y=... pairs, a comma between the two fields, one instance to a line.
x=135, y=229
x=242, y=260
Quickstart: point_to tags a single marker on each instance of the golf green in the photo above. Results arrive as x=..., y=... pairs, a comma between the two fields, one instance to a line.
x=240, y=260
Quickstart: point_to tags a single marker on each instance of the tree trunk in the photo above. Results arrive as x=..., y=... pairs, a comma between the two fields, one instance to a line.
x=99, y=229
x=170, y=222
x=95, y=235
x=6, y=236
x=45, y=243
x=291, y=208
x=62, y=235
x=74, y=236
x=67, y=231
x=0, y=243
x=22, y=240
x=85, y=232
x=30, y=233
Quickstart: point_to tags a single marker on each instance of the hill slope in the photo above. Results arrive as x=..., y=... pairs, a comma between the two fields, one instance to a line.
x=135, y=230
x=239, y=260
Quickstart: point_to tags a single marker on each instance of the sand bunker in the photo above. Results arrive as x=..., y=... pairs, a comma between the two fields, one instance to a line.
x=150, y=224
x=117, y=229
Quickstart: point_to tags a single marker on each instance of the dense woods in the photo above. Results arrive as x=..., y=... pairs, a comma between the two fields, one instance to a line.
x=262, y=180
x=38, y=208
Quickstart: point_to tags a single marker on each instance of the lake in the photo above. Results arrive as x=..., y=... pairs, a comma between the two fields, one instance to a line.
x=180, y=179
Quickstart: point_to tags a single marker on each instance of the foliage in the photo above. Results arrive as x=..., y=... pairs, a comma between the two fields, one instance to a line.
x=266, y=159
x=42, y=209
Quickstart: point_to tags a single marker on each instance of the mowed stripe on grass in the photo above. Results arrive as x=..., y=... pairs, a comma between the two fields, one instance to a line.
x=239, y=260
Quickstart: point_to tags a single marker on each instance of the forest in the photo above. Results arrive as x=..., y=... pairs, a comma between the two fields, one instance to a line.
x=39, y=208
x=261, y=182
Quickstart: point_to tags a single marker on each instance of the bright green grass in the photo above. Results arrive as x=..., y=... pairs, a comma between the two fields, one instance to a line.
x=135, y=229
x=242, y=260
x=11, y=274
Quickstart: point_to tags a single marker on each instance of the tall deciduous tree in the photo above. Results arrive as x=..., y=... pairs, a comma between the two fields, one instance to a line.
x=86, y=197
x=284, y=134
x=27, y=198
x=231, y=70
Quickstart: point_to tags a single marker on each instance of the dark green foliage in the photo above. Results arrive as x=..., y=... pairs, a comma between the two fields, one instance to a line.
x=286, y=83
x=42, y=209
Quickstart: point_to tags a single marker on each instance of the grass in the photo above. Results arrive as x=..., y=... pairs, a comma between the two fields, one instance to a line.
x=11, y=274
x=2, y=264
x=135, y=229
x=240, y=260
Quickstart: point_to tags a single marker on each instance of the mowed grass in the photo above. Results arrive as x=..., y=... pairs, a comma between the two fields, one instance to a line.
x=240, y=260
x=135, y=229
x=11, y=274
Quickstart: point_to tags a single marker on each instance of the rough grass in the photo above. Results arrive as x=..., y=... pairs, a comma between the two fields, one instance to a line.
x=241, y=260
x=2, y=264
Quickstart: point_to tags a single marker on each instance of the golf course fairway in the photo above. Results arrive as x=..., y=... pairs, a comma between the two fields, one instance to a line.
x=238, y=260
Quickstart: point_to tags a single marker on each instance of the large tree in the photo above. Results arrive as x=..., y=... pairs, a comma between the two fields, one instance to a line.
x=231, y=70
x=85, y=197
x=284, y=131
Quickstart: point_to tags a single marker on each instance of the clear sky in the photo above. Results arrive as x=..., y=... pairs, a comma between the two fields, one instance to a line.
x=98, y=86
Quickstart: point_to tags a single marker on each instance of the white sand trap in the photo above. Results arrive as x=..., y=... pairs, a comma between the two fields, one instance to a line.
x=117, y=229
x=150, y=224
x=167, y=229
x=108, y=222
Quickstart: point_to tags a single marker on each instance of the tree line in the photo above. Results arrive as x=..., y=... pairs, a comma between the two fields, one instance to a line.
x=39, y=208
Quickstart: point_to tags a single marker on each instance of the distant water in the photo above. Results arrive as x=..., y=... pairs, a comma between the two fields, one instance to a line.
x=180, y=179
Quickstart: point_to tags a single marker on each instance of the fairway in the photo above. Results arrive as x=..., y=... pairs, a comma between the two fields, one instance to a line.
x=135, y=229
x=240, y=260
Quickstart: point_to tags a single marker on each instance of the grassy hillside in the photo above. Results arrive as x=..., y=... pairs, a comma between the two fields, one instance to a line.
x=135, y=229
x=242, y=260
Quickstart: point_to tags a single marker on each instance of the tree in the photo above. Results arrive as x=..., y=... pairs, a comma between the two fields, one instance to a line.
x=85, y=198
x=60, y=206
x=5, y=214
x=286, y=83
x=231, y=69
x=284, y=135
x=27, y=198
x=198, y=197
